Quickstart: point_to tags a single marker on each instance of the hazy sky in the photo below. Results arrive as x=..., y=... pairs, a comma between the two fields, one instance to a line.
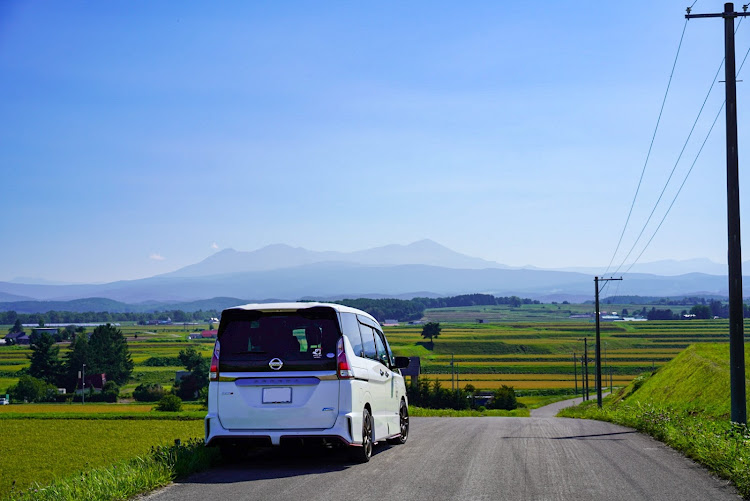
x=138, y=137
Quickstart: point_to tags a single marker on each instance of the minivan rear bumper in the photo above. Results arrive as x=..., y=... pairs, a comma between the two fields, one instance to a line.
x=215, y=433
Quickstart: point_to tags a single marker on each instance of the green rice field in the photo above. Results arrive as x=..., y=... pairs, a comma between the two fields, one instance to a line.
x=78, y=445
x=501, y=350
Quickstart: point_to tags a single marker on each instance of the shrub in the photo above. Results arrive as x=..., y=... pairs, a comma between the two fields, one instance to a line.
x=148, y=392
x=169, y=403
x=203, y=397
x=32, y=389
x=110, y=392
x=504, y=398
x=162, y=362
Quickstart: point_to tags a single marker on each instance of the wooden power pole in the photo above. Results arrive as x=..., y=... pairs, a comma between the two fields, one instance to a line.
x=734, y=251
x=598, y=341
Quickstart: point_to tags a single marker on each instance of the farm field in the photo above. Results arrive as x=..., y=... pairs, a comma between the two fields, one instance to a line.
x=539, y=355
x=529, y=355
x=534, y=357
x=79, y=445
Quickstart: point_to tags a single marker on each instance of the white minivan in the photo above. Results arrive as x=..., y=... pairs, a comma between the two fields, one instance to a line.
x=286, y=373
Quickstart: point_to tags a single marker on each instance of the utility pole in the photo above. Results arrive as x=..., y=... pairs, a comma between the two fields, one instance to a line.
x=453, y=375
x=734, y=252
x=598, y=341
x=575, y=372
x=585, y=368
x=83, y=385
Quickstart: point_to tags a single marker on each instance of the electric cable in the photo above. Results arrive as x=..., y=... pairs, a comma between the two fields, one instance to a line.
x=689, y=171
x=677, y=162
x=653, y=138
x=679, y=157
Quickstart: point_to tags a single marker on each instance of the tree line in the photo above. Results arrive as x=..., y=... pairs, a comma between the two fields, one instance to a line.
x=413, y=309
x=709, y=310
x=432, y=395
x=381, y=309
x=105, y=351
x=71, y=317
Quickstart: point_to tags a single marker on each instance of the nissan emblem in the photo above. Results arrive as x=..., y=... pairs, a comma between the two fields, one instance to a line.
x=275, y=364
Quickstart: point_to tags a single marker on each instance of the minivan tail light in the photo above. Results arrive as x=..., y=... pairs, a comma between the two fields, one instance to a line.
x=342, y=363
x=213, y=373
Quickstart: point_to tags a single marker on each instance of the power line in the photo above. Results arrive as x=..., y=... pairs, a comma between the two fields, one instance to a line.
x=679, y=157
x=653, y=137
x=677, y=162
x=688, y=172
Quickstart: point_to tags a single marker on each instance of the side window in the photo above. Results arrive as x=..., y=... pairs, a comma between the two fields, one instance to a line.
x=368, y=341
x=350, y=327
x=382, y=354
x=388, y=349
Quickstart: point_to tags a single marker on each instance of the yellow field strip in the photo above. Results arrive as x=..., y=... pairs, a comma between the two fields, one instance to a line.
x=517, y=377
x=468, y=365
x=522, y=385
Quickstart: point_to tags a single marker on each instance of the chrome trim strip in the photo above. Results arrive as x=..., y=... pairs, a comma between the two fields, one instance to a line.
x=278, y=381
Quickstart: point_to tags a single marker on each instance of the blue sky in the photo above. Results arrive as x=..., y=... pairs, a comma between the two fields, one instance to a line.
x=139, y=137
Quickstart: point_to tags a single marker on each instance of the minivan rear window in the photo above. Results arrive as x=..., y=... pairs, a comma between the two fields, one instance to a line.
x=302, y=339
x=350, y=326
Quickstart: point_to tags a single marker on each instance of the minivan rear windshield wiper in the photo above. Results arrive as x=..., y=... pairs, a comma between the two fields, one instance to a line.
x=247, y=352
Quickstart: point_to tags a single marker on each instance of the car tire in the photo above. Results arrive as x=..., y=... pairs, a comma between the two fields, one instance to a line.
x=363, y=453
x=403, y=421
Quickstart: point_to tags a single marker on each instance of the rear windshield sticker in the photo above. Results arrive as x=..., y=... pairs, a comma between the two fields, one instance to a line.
x=317, y=353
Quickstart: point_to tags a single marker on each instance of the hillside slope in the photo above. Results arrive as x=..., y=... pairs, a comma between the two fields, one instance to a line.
x=695, y=380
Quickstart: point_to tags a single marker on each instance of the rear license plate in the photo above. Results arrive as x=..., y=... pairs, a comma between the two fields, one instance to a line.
x=277, y=395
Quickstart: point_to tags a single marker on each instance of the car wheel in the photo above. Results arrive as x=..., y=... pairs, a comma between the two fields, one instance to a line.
x=363, y=453
x=403, y=421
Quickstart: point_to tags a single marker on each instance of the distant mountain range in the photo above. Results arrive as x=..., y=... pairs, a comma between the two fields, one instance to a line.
x=278, y=256
x=423, y=268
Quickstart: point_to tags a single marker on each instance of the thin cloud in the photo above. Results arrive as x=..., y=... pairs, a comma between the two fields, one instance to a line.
x=157, y=257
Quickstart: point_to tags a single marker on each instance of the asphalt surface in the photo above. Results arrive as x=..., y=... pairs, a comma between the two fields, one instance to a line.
x=470, y=459
x=551, y=410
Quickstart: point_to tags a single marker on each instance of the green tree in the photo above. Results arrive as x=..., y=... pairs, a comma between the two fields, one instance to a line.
x=190, y=386
x=32, y=389
x=701, y=311
x=504, y=398
x=45, y=364
x=190, y=358
x=74, y=360
x=17, y=327
x=108, y=353
x=431, y=330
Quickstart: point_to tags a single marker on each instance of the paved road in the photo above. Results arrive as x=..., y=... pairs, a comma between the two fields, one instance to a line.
x=551, y=410
x=471, y=459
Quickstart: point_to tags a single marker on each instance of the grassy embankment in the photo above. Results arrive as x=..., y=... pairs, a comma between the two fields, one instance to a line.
x=685, y=404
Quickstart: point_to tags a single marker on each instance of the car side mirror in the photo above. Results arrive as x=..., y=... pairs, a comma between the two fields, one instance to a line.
x=402, y=362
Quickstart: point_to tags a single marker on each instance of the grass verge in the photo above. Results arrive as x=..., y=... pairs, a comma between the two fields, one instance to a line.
x=422, y=412
x=128, y=478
